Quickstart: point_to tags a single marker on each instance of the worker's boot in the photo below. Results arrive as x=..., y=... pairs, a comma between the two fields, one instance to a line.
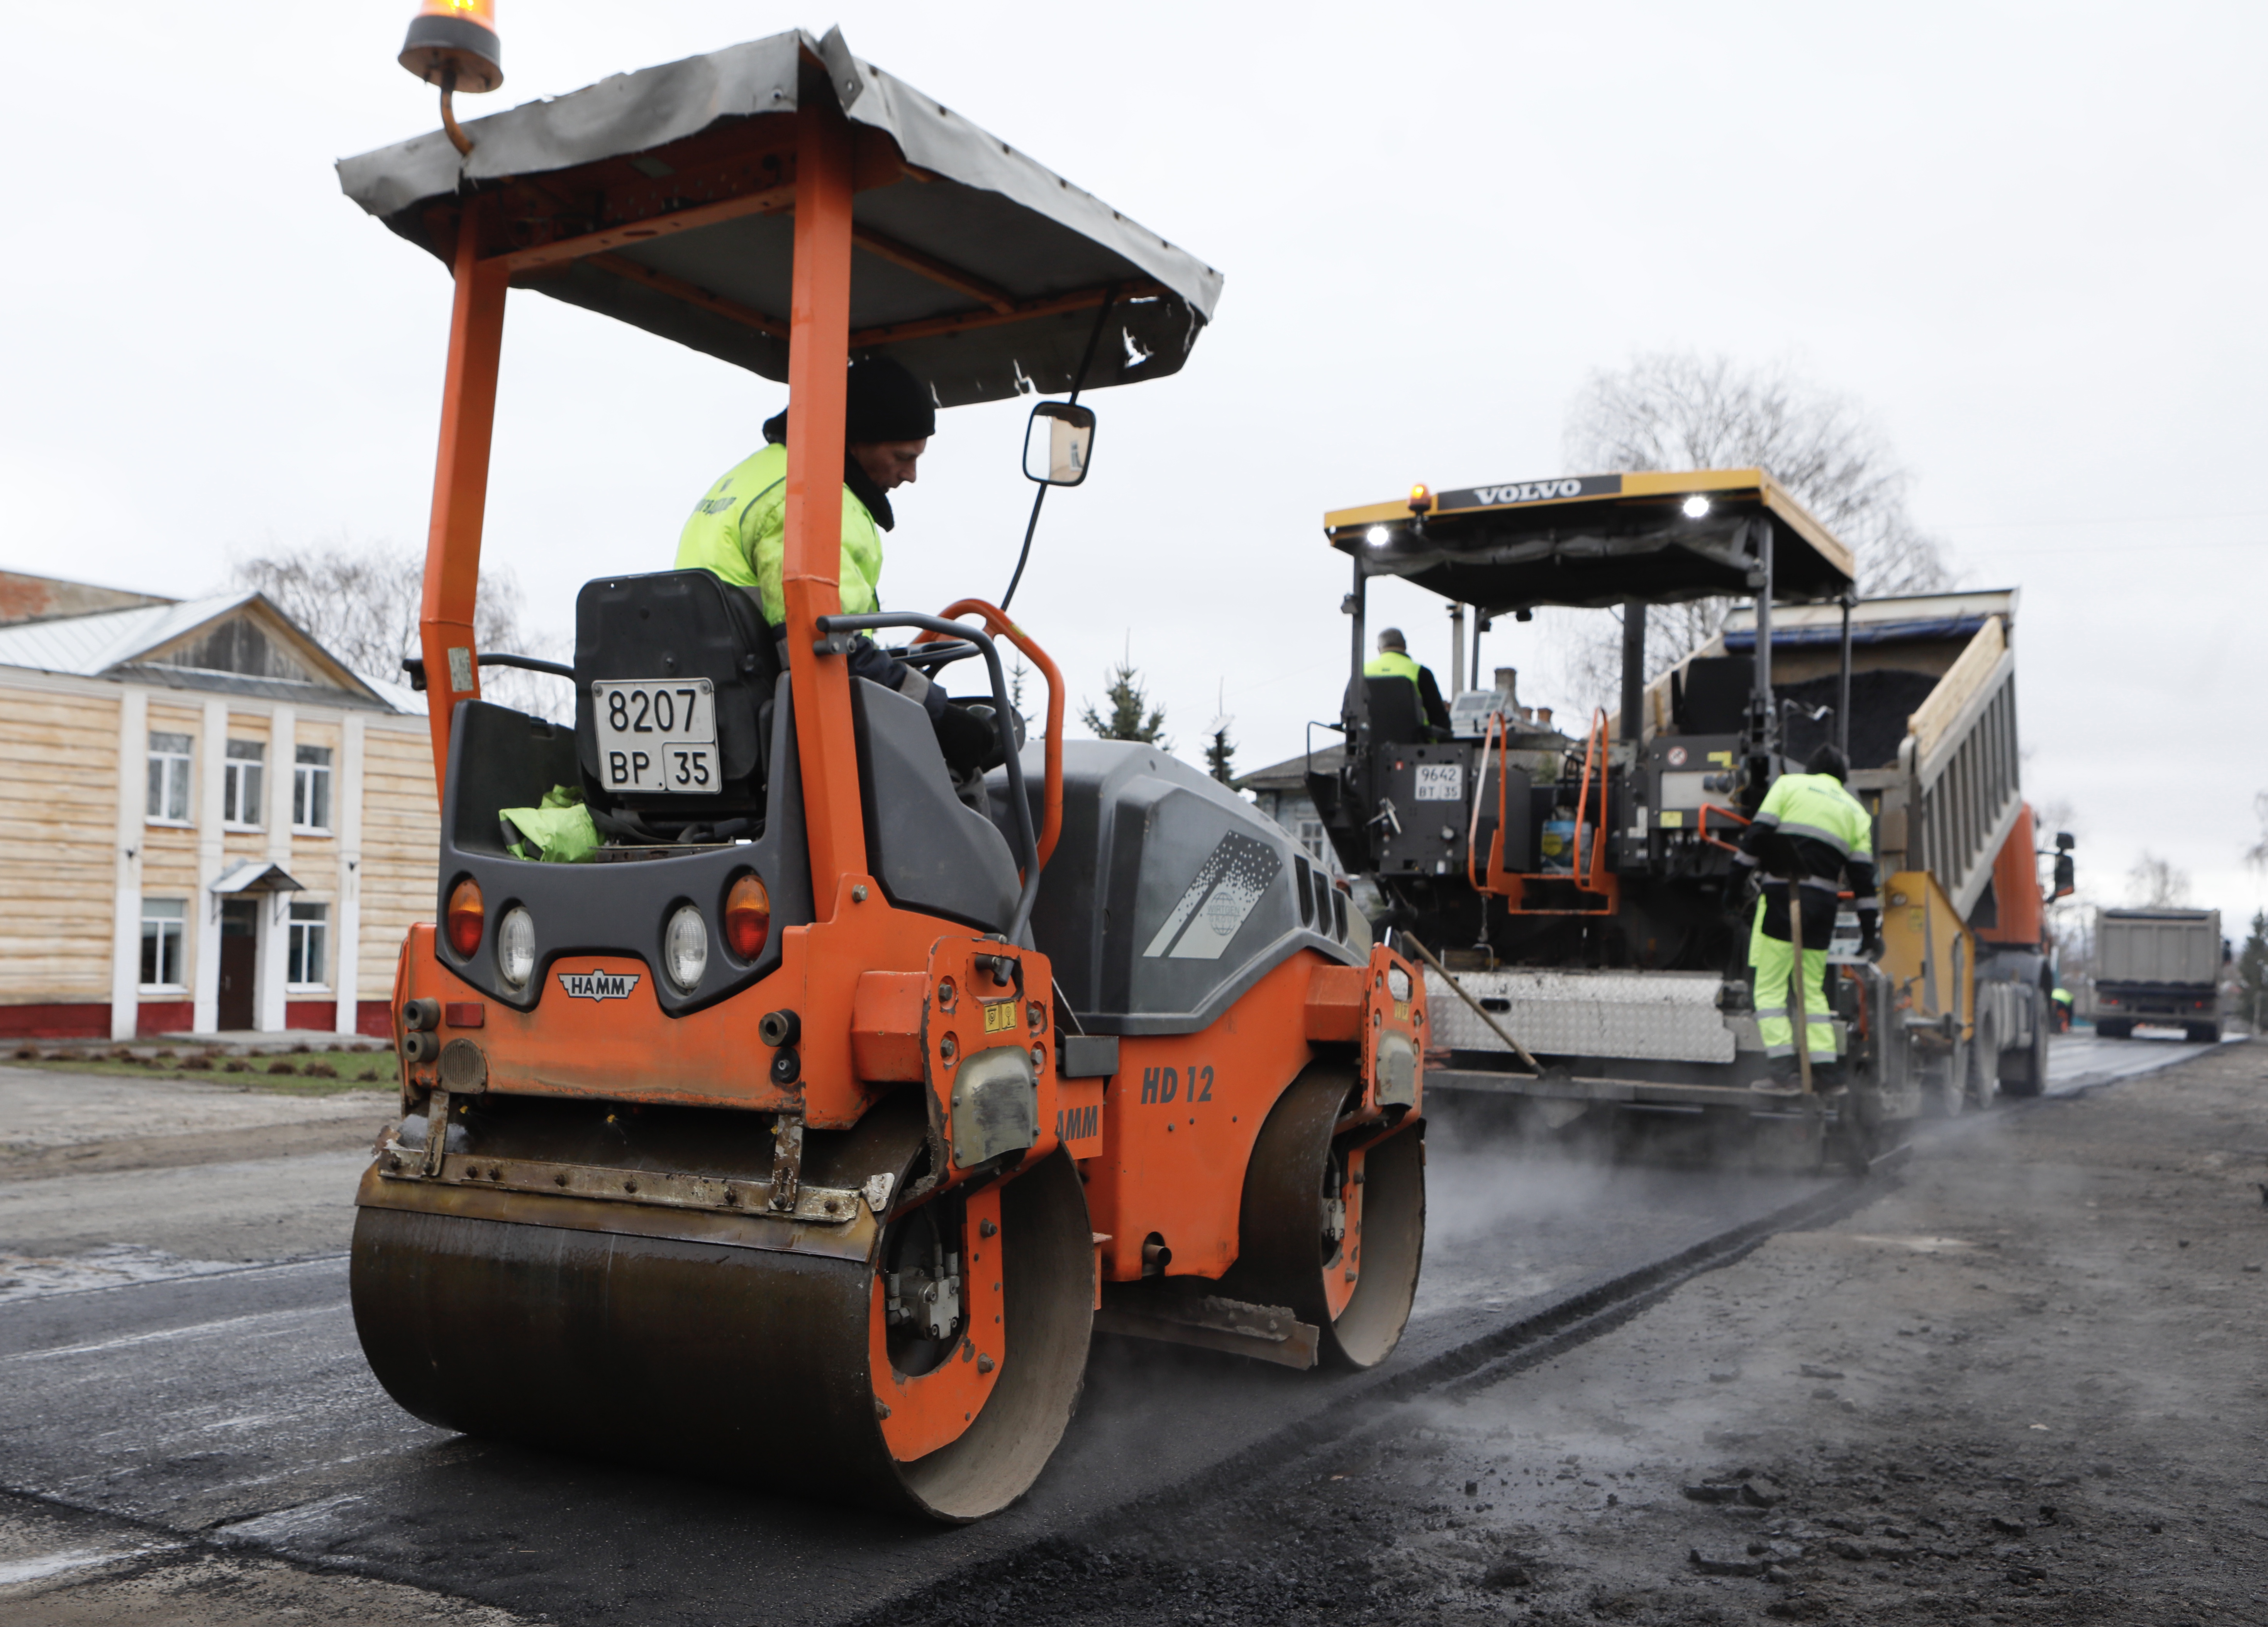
x=1827, y=1077
x=1785, y=1079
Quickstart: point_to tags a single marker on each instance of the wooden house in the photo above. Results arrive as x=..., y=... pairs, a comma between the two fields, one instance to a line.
x=213, y=824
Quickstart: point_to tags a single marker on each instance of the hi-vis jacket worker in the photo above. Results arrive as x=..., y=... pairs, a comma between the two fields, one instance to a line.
x=738, y=533
x=1393, y=660
x=1813, y=832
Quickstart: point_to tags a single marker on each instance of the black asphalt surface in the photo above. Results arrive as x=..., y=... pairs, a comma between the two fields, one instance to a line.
x=237, y=1405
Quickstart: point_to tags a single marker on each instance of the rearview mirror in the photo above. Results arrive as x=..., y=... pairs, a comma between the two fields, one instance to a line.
x=1057, y=442
x=2066, y=877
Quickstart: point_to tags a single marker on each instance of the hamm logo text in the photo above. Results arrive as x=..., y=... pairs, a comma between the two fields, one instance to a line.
x=599, y=985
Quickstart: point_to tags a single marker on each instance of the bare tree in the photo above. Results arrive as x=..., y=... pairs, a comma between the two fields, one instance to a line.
x=1674, y=410
x=2156, y=884
x=361, y=602
x=2257, y=855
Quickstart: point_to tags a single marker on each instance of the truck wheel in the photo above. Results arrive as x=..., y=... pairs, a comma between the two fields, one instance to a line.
x=2115, y=1029
x=1983, y=1065
x=2032, y=1064
x=2203, y=1033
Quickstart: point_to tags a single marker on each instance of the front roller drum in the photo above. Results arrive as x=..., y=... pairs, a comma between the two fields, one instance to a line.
x=1333, y=1222
x=764, y=1367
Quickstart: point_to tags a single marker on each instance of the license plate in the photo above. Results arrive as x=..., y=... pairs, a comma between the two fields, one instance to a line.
x=1441, y=782
x=656, y=736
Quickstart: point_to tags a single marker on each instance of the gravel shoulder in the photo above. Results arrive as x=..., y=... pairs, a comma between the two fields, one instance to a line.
x=2023, y=1384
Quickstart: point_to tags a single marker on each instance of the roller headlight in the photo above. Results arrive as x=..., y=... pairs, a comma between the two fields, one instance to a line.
x=685, y=948
x=516, y=947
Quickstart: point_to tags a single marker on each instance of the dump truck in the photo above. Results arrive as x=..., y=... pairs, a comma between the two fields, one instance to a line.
x=2158, y=968
x=803, y=1130
x=1572, y=890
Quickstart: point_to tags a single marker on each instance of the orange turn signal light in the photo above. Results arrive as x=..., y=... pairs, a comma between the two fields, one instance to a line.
x=747, y=916
x=467, y=917
x=1421, y=497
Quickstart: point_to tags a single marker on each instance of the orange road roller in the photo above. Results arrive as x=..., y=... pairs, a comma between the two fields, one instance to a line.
x=803, y=1117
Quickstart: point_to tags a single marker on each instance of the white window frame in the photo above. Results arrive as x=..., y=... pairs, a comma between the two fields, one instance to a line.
x=316, y=927
x=233, y=786
x=304, y=776
x=185, y=761
x=1311, y=834
x=179, y=922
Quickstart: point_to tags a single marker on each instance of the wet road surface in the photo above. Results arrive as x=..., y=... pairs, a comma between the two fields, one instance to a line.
x=234, y=1406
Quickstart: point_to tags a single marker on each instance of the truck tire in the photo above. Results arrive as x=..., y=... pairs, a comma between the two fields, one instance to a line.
x=2115, y=1028
x=1984, y=1080
x=2203, y=1033
x=2031, y=1065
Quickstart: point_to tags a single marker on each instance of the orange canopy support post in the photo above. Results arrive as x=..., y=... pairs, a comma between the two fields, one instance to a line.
x=819, y=358
x=460, y=486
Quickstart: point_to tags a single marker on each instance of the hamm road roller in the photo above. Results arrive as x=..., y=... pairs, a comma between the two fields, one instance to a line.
x=820, y=1108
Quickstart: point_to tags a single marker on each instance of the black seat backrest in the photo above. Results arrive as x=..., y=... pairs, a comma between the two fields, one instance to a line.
x=1397, y=715
x=678, y=626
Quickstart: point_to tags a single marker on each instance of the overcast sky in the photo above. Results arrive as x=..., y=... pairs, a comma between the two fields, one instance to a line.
x=2028, y=239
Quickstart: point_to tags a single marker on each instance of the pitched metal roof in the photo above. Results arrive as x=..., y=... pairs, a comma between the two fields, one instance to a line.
x=108, y=644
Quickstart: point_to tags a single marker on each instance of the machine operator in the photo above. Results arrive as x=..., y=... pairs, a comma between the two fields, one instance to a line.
x=1810, y=833
x=1393, y=660
x=738, y=533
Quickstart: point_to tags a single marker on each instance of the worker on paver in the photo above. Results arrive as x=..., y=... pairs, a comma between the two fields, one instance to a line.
x=1393, y=660
x=738, y=533
x=2061, y=1001
x=1810, y=833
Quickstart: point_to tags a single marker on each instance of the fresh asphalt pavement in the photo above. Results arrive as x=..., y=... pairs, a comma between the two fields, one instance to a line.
x=231, y=1406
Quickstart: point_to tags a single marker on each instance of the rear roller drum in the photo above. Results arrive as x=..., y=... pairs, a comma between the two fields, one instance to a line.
x=1334, y=1224
x=935, y=1377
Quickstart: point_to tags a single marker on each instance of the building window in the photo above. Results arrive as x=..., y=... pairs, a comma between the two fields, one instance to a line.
x=310, y=789
x=1310, y=832
x=239, y=788
x=161, y=943
x=310, y=957
x=169, y=778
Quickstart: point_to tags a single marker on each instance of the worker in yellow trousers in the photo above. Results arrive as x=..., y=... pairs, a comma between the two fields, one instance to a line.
x=1809, y=835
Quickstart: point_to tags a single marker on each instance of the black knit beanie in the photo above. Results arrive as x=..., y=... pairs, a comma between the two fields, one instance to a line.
x=887, y=403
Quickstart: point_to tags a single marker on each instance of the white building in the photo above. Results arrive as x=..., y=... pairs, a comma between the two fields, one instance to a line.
x=214, y=825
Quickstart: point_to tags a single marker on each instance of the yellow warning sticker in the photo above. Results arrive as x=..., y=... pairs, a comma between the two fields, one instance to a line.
x=1673, y=818
x=1401, y=1012
x=999, y=1018
x=1722, y=757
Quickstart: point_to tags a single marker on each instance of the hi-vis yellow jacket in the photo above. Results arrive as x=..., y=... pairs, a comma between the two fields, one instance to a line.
x=738, y=533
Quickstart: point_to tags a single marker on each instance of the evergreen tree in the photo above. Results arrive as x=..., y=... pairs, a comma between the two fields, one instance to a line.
x=1131, y=716
x=1219, y=753
x=2252, y=973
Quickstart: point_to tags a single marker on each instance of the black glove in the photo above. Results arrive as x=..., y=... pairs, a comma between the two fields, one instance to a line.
x=1741, y=897
x=970, y=744
x=1870, y=934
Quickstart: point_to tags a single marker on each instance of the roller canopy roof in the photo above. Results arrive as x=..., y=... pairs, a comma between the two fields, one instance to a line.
x=664, y=199
x=1597, y=540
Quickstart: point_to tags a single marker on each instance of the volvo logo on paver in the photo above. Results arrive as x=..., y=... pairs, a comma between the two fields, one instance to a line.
x=599, y=985
x=1534, y=491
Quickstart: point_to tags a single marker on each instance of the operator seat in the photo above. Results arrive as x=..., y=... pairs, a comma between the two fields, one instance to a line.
x=678, y=626
x=1397, y=716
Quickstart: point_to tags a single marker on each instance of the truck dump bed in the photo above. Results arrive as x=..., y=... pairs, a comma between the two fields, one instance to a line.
x=2172, y=946
x=1932, y=728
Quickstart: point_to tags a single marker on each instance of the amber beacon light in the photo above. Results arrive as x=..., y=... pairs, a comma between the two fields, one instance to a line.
x=453, y=44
